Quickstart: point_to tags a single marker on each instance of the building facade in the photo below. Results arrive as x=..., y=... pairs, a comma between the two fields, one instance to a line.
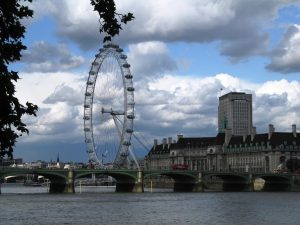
x=235, y=113
x=266, y=152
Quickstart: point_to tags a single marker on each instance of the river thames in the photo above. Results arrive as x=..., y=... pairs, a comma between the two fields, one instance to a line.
x=99, y=205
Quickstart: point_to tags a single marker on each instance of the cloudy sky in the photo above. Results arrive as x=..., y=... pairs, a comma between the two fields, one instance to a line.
x=182, y=53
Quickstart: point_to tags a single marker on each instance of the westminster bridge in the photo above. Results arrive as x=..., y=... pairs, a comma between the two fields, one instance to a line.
x=63, y=180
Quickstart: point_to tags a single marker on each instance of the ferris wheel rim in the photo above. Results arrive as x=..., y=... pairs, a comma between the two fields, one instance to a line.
x=127, y=128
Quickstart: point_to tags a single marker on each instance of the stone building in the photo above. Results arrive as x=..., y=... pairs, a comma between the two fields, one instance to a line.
x=266, y=152
x=236, y=147
x=196, y=153
x=235, y=113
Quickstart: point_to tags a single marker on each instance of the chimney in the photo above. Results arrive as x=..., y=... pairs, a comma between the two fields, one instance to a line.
x=271, y=131
x=179, y=136
x=244, y=137
x=155, y=143
x=164, y=142
x=169, y=141
x=294, y=130
x=253, y=133
x=228, y=135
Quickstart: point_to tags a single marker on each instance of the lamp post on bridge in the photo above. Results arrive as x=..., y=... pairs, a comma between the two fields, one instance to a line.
x=189, y=152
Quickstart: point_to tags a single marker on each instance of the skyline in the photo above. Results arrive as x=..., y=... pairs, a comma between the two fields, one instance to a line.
x=180, y=62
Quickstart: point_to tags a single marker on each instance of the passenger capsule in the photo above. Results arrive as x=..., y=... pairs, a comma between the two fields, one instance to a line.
x=88, y=94
x=124, y=154
x=126, y=143
x=131, y=117
x=114, y=46
x=126, y=65
x=128, y=76
x=130, y=89
x=123, y=56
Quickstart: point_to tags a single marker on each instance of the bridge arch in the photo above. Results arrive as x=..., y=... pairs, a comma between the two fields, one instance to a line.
x=126, y=181
x=59, y=181
x=274, y=182
x=230, y=181
x=183, y=181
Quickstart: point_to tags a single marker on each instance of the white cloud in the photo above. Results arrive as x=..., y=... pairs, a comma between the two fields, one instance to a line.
x=37, y=87
x=60, y=100
x=291, y=89
x=286, y=56
x=166, y=106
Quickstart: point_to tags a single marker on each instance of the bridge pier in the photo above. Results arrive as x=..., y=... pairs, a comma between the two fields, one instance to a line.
x=199, y=185
x=70, y=187
x=249, y=185
x=130, y=185
x=63, y=186
x=139, y=184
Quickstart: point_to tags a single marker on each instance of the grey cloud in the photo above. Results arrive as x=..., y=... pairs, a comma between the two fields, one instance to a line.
x=243, y=48
x=66, y=94
x=271, y=100
x=150, y=59
x=237, y=25
x=267, y=108
x=45, y=57
x=152, y=64
x=285, y=57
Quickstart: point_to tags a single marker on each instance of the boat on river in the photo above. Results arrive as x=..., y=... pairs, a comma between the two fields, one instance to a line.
x=32, y=183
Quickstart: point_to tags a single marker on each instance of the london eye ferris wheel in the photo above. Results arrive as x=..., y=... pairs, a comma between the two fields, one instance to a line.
x=109, y=108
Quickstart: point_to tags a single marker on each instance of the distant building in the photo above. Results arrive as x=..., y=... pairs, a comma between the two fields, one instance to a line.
x=235, y=113
x=9, y=162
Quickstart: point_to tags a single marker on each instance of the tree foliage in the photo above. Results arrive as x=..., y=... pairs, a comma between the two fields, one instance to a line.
x=11, y=111
x=110, y=20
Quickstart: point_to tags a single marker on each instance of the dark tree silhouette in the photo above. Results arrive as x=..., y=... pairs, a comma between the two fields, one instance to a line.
x=110, y=20
x=11, y=111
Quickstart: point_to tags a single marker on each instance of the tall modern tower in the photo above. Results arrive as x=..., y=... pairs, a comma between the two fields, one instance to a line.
x=235, y=113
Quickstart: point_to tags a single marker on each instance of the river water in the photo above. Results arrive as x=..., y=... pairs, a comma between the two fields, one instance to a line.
x=21, y=205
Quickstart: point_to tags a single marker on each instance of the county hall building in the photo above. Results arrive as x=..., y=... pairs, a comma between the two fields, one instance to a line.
x=236, y=147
